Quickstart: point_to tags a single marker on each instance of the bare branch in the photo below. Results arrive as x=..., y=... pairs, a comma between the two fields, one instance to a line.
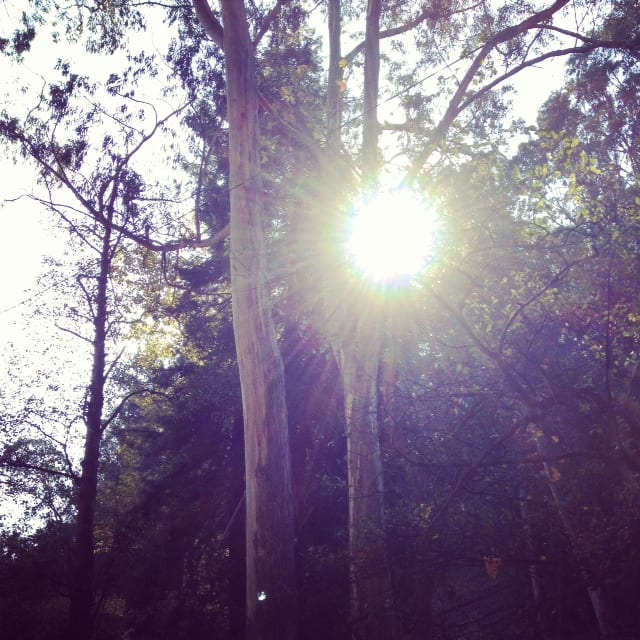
x=116, y=412
x=185, y=243
x=114, y=362
x=523, y=306
x=535, y=21
x=578, y=50
x=21, y=464
x=75, y=334
x=403, y=28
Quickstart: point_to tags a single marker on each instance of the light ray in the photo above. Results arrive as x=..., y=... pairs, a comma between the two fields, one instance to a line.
x=392, y=237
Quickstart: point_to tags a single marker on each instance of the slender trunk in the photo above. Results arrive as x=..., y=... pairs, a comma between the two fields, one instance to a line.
x=271, y=585
x=370, y=129
x=82, y=571
x=370, y=591
x=236, y=539
x=335, y=79
x=594, y=591
x=534, y=579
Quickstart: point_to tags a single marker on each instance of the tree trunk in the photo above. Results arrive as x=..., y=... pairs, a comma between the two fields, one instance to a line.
x=271, y=585
x=370, y=128
x=335, y=79
x=534, y=578
x=82, y=570
x=370, y=590
x=594, y=591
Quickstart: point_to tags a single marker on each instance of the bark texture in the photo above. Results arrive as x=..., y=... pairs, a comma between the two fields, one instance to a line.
x=271, y=586
x=370, y=587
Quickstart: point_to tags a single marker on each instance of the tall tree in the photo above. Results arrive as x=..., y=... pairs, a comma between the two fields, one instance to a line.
x=495, y=42
x=96, y=194
x=517, y=30
x=359, y=353
x=271, y=579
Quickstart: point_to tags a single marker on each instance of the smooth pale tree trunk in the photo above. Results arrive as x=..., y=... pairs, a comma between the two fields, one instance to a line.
x=370, y=126
x=271, y=581
x=370, y=581
x=335, y=77
x=82, y=558
x=371, y=601
x=357, y=342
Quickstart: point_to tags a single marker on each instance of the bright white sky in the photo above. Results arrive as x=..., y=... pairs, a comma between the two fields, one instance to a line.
x=27, y=232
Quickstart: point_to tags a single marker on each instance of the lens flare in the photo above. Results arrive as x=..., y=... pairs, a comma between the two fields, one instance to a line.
x=392, y=237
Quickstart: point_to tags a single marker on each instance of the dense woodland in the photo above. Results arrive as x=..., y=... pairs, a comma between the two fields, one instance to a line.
x=259, y=443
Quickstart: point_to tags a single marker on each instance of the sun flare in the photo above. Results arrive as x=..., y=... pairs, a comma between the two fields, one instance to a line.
x=392, y=237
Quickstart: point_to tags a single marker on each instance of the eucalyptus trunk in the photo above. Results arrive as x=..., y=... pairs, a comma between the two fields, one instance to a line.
x=335, y=77
x=271, y=582
x=371, y=128
x=371, y=601
x=370, y=583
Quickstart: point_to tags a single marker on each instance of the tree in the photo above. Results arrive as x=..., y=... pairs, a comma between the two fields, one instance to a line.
x=518, y=32
x=271, y=580
x=357, y=345
x=97, y=209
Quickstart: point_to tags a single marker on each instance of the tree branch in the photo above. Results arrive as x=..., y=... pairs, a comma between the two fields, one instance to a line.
x=534, y=21
x=116, y=412
x=75, y=334
x=268, y=21
x=632, y=46
x=403, y=28
x=8, y=460
x=209, y=22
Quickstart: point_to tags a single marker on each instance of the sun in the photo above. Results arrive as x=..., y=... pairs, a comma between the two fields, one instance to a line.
x=392, y=237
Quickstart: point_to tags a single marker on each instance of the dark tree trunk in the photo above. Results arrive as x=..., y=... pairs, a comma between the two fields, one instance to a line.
x=82, y=571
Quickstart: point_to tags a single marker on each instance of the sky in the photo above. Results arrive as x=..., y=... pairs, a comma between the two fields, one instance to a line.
x=25, y=221
x=27, y=230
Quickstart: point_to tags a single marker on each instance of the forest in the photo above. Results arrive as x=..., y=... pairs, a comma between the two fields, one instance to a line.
x=223, y=427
